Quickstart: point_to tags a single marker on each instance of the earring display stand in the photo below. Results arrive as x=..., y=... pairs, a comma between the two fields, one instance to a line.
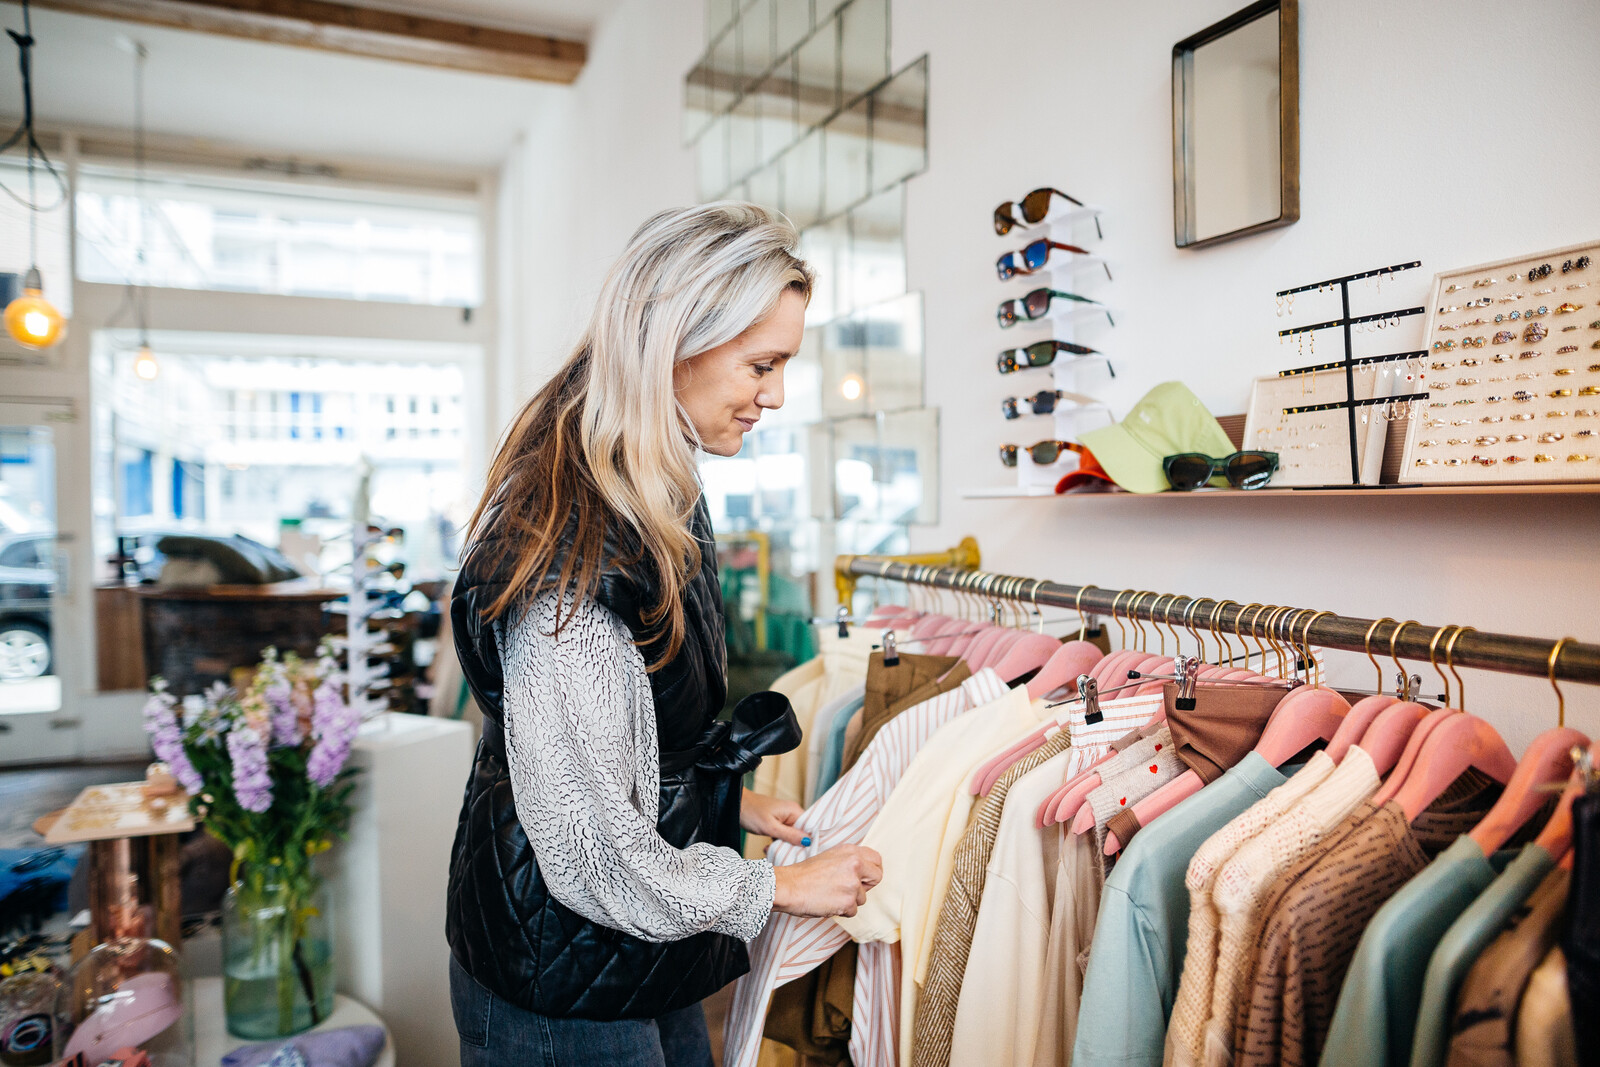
x=1082, y=274
x=1518, y=399
x=1351, y=401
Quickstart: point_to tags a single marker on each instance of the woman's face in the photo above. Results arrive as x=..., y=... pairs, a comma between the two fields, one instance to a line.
x=725, y=390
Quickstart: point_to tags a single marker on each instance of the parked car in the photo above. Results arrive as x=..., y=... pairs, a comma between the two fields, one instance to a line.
x=27, y=584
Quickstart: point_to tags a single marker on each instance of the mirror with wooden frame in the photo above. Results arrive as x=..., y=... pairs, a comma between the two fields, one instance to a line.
x=1236, y=125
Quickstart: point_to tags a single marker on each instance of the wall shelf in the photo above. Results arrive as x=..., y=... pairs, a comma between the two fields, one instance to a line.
x=1499, y=489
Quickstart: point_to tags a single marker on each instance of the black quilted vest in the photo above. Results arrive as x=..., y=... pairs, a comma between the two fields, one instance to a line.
x=503, y=925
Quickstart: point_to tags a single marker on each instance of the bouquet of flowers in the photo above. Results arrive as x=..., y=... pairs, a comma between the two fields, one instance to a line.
x=265, y=773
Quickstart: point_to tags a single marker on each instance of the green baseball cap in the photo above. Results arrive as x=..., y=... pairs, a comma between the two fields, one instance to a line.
x=1168, y=420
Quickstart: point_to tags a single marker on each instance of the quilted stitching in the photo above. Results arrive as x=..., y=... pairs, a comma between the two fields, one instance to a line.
x=503, y=926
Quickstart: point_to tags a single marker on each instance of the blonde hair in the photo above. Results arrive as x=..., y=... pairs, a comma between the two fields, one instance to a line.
x=605, y=444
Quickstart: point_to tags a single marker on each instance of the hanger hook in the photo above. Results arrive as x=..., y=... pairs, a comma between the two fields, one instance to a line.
x=1033, y=597
x=1394, y=638
x=1122, y=634
x=1077, y=606
x=1166, y=616
x=1286, y=626
x=1450, y=662
x=1133, y=619
x=1433, y=661
x=1561, y=700
x=1244, y=639
x=1274, y=630
x=1367, y=643
x=1312, y=663
x=1188, y=624
x=1216, y=631
x=1156, y=623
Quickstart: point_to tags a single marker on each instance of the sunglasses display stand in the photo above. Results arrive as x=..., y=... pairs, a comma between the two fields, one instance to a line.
x=1511, y=399
x=1345, y=423
x=1072, y=376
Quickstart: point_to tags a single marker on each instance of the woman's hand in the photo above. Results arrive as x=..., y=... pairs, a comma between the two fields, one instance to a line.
x=771, y=817
x=833, y=882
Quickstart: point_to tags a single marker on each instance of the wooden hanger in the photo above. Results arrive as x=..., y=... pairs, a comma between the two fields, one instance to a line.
x=1363, y=712
x=1547, y=760
x=1309, y=714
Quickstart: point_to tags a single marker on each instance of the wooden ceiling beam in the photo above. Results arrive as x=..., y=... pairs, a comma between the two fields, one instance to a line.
x=361, y=31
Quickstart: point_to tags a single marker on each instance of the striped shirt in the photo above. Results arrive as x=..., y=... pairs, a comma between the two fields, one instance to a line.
x=791, y=945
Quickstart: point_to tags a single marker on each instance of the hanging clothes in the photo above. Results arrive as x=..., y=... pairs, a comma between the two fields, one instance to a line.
x=1464, y=942
x=952, y=935
x=890, y=690
x=1545, y=1034
x=1581, y=943
x=790, y=945
x=1137, y=951
x=1484, y=1029
x=1375, y=1017
x=1186, y=1029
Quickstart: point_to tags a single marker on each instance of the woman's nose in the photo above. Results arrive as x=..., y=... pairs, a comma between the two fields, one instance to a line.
x=771, y=394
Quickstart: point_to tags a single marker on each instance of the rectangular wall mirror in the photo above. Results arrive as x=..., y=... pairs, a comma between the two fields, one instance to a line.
x=1236, y=125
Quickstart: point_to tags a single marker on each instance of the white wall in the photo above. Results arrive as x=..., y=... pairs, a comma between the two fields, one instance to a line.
x=1448, y=136
x=1425, y=134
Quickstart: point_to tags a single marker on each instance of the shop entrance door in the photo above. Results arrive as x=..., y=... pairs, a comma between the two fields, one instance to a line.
x=32, y=576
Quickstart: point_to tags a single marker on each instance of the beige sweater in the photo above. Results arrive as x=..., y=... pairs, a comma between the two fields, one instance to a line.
x=1249, y=873
x=1186, y=1029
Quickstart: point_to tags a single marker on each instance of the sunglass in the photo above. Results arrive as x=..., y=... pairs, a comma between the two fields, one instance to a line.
x=1036, y=305
x=1244, y=470
x=1045, y=402
x=1042, y=354
x=1034, y=207
x=1034, y=257
x=1043, y=453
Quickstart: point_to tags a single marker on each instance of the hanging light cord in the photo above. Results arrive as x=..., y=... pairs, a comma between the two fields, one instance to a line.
x=24, y=134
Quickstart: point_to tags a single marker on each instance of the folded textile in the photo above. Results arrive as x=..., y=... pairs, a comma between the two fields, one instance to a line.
x=350, y=1046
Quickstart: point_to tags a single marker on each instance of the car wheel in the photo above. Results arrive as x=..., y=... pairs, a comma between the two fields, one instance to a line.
x=24, y=651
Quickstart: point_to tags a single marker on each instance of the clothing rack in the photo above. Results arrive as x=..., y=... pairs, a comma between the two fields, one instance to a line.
x=1565, y=659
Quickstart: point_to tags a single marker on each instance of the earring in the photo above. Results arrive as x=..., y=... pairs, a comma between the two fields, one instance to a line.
x=1280, y=307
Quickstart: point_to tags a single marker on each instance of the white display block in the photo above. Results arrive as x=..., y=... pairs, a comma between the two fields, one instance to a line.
x=388, y=880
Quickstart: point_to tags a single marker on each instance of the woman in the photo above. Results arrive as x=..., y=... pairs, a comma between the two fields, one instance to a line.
x=596, y=895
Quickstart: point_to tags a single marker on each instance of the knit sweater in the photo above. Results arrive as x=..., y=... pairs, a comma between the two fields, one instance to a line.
x=1246, y=877
x=1185, y=1031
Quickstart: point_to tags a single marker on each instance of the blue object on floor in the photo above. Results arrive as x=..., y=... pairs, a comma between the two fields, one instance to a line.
x=33, y=885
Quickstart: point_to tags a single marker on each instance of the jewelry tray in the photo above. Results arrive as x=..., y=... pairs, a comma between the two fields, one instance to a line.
x=1510, y=384
x=1314, y=447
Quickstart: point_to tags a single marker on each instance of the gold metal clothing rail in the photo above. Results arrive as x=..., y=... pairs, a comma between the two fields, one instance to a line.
x=1565, y=659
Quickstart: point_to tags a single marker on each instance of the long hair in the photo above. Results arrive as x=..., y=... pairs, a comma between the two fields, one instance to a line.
x=604, y=445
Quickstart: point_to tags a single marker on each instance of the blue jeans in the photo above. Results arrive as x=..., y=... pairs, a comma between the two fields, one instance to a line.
x=497, y=1034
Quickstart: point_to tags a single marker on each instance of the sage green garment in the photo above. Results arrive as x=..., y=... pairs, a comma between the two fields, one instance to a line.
x=1463, y=943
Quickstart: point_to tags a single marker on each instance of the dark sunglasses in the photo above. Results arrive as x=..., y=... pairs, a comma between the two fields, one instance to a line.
x=1041, y=403
x=1033, y=208
x=1036, y=305
x=1042, y=354
x=1043, y=453
x=1244, y=470
x=1033, y=258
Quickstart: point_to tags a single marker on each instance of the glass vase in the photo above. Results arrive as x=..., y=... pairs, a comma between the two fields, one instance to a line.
x=277, y=958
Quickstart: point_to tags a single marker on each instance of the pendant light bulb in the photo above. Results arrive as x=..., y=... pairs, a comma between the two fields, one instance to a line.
x=31, y=320
x=145, y=365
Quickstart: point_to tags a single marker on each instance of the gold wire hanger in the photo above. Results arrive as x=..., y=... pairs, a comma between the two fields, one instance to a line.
x=1260, y=648
x=1188, y=624
x=1274, y=634
x=1122, y=634
x=1433, y=661
x=1155, y=623
x=1561, y=700
x=1314, y=669
x=1367, y=643
x=1286, y=626
x=1450, y=662
x=1077, y=605
x=1224, y=650
x=1136, y=622
x=1405, y=690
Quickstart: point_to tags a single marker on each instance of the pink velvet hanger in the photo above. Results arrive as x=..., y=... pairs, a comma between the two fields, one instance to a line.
x=1063, y=667
x=976, y=650
x=1356, y=720
x=1460, y=742
x=950, y=634
x=1029, y=651
x=928, y=625
x=1556, y=837
x=1422, y=723
x=1548, y=759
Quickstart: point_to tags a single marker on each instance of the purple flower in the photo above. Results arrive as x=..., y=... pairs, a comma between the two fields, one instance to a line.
x=333, y=727
x=166, y=739
x=285, y=720
x=252, y=783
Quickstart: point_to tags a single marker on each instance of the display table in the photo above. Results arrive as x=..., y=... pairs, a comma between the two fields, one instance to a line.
x=212, y=1040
